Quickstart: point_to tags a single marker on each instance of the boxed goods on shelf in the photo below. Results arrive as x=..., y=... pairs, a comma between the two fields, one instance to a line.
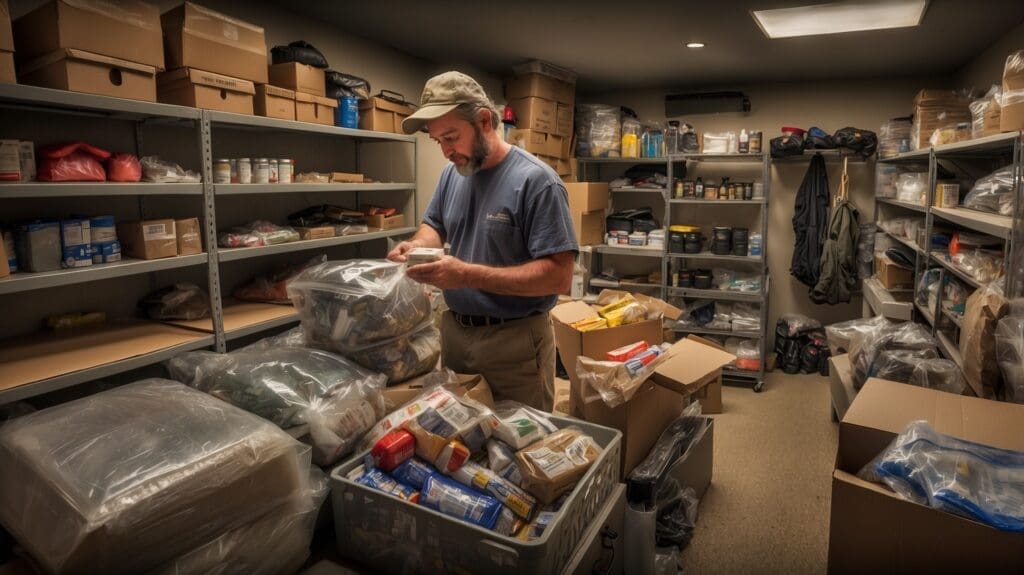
x=1012, y=102
x=563, y=124
x=384, y=114
x=274, y=102
x=536, y=142
x=315, y=109
x=149, y=239
x=935, y=109
x=127, y=30
x=38, y=245
x=91, y=73
x=299, y=77
x=540, y=86
x=189, y=236
x=208, y=90
x=891, y=275
x=534, y=114
x=587, y=196
x=197, y=37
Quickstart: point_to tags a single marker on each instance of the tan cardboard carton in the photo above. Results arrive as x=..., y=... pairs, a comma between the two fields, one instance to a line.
x=587, y=196
x=314, y=109
x=563, y=121
x=381, y=115
x=695, y=368
x=149, y=239
x=589, y=227
x=197, y=37
x=80, y=71
x=534, y=114
x=274, y=102
x=189, y=236
x=540, y=86
x=299, y=77
x=204, y=89
x=891, y=275
x=873, y=530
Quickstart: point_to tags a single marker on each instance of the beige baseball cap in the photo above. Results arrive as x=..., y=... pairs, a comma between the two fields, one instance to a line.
x=442, y=94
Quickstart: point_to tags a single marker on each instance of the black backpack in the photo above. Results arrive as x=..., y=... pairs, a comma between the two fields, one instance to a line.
x=784, y=146
x=862, y=142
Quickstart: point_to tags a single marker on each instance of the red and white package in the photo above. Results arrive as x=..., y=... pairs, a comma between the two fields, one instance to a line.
x=391, y=450
x=627, y=351
x=124, y=168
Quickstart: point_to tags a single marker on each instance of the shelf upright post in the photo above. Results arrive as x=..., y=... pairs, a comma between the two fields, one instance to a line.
x=205, y=135
x=1014, y=255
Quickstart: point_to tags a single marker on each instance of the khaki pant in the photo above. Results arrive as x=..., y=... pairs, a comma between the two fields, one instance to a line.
x=517, y=358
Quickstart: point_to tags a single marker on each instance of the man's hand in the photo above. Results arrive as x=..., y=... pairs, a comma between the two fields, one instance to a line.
x=448, y=272
x=398, y=254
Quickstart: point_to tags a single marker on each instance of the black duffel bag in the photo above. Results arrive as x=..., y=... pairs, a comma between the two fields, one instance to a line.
x=785, y=146
x=299, y=51
x=340, y=85
x=818, y=139
x=862, y=142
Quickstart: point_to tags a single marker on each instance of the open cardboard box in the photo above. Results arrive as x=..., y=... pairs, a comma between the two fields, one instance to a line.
x=694, y=368
x=873, y=530
x=472, y=386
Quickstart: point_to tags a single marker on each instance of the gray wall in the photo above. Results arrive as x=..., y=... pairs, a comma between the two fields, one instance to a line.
x=987, y=68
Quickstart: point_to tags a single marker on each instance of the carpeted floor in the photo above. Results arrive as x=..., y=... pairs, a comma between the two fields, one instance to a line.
x=767, y=510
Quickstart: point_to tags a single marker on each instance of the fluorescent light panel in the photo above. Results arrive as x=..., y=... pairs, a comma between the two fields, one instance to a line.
x=840, y=17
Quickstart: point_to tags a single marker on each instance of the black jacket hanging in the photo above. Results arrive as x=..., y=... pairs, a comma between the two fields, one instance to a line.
x=810, y=217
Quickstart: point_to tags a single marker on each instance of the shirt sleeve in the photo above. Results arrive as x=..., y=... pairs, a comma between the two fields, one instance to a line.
x=549, y=228
x=434, y=215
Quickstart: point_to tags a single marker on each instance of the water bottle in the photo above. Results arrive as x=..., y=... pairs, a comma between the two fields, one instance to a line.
x=672, y=138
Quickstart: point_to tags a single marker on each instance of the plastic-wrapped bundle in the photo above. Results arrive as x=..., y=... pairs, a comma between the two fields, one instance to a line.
x=1010, y=354
x=870, y=344
x=982, y=105
x=940, y=374
x=403, y=357
x=912, y=187
x=181, y=301
x=292, y=386
x=993, y=193
x=257, y=233
x=677, y=515
x=982, y=483
x=467, y=419
x=894, y=137
x=598, y=131
x=842, y=335
x=127, y=480
x=519, y=425
x=643, y=482
x=451, y=498
x=347, y=305
x=900, y=364
x=615, y=381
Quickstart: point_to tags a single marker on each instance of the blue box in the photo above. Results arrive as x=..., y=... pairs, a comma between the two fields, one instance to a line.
x=76, y=256
x=106, y=252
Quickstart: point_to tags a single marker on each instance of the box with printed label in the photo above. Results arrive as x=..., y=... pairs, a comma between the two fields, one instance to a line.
x=149, y=239
x=315, y=109
x=563, y=121
x=188, y=236
x=75, y=239
x=80, y=71
x=106, y=252
x=203, y=89
x=37, y=245
x=274, y=102
x=299, y=77
x=534, y=114
x=540, y=86
x=127, y=29
x=318, y=233
x=197, y=37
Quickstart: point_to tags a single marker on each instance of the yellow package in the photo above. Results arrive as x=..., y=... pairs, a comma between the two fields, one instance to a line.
x=614, y=318
x=618, y=304
x=590, y=324
x=630, y=313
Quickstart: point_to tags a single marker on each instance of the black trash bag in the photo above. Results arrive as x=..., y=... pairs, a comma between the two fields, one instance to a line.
x=629, y=221
x=340, y=85
x=810, y=221
x=784, y=146
x=818, y=139
x=862, y=142
x=299, y=51
x=677, y=515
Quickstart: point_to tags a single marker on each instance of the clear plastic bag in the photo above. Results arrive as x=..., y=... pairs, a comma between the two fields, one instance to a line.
x=257, y=233
x=178, y=302
x=292, y=386
x=983, y=265
x=273, y=287
x=73, y=162
x=870, y=345
x=352, y=304
x=677, y=514
x=642, y=483
x=1010, y=354
x=128, y=479
x=732, y=280
x=982, y=105
x=598, y=131
x=993, y=193
x=293, y=337
x=469, y=421
x=940, y=374
x=400, y=358
x=912, y=187
x=615, y=381
x=156, y=170
x=746, y=317
x=982, y=483
x=842, y=335
x=899, y=364
x=794, y=324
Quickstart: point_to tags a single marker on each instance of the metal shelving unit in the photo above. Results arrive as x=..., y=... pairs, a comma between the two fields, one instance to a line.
x=718, y=257
x=640, y=251
x=904, y=205
x=201, y=124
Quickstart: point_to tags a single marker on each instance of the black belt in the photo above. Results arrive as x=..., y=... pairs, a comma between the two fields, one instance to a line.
x=483, y=320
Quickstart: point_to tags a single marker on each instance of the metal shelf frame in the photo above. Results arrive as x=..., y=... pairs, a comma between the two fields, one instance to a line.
x=34, y=100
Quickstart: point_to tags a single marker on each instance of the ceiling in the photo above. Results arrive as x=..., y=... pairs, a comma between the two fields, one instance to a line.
x=618, y=44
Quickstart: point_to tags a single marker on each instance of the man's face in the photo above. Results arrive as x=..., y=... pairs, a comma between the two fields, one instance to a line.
x=461, y=142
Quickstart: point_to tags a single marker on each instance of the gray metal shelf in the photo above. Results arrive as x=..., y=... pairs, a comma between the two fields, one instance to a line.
x=631, y=189
x=939, y=258
x=80, y=189
x=984, y=222
x=28, y=281
x=732, y=158
x=262, y=326
x=981, y=147
x=641, y=251
x=77, y=103
x=715, y=257
x=830, y=156
x=622, y=160
x=718, y=202
x=245, y=189
x=246, y=122
x=926, y=313
x=729, y=371
x=910, y=244
x=718, y=332
x=234, y=254
x=106, y=370
x=921, y=155
x=904, y=205
x=717, y=294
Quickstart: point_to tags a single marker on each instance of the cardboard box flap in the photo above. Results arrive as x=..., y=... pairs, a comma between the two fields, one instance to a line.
x=311, y=99
x=387, y=105
x=689, y=363
x=74, y=54
x=132, y=12
x=275, y=91
x=667, y=310
x=214, y=26
x=171, y=80
x=572, y=312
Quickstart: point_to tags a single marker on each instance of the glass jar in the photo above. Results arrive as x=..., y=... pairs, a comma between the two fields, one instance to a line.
x=244, y=171
x=672, y=138
x=630, y=138
x=285, y=171
x=222, y=171
x=272, y=165
x=234, y=171
x=261, y=171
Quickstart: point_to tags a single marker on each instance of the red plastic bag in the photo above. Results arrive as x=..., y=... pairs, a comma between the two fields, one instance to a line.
x=74, y=162
x=124, y=168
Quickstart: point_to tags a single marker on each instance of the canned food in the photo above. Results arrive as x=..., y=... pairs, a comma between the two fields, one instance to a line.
x=272, y=165
x=244, y=171
x=261, y=171
x=234, y=171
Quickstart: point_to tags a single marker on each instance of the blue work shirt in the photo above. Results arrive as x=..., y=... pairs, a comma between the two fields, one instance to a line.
x=504, y=216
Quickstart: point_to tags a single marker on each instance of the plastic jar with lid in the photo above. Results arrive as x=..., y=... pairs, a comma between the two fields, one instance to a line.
x=261, y=171
x=222, y=171
x=272, y=165
x=672, y=138
x=285, y=171
x=630, y=138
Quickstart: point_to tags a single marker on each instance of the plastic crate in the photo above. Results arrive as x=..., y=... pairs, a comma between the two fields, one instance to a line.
x=395, y=536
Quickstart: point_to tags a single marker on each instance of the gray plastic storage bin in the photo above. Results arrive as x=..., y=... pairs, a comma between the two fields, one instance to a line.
x=395, y=536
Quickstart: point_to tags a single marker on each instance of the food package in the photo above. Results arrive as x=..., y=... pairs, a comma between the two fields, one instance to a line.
x=413, y=472
x=257, y=233
x=391, y=450
x=74, y=162
x=518, y=425
x=124, y=168
x=554, y=464
x=627, y=351
x=435, y=441
x=469, y=419
x=453, y=499
x=178, y=302
x=347, y=305
x=292, y=386
x=273, y=287
x=377, y=479
x=127, y=480
x=993, y=193
x=486, y=481
x=499, y=455
x=590, y=324
x=985, y=307
x=615, y=381
x=156, y=170
x=403, y=357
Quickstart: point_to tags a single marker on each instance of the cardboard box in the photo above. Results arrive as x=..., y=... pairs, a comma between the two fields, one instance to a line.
x=563, y=122
x=695, y=368
x=197, y=37
x=891, y=275
x=6, y=32
x=274, y=102
x=472, y=386
x=149, y=239
x=534, y=114
x=208, y=90
x=299, y=77
x=1011, y=117
x=873, y=530
x=386, y=223
x=589, y=227
x=841, y=385
x=587, y=196
x=80, y=71
x=550, y=161
x=563, y=167
x=316, y=233
x=532, y=141
x=7, y=74
x=382, y=115
x=189, y=235
x=540, y=86
x=566, y=152
x=314, y=109
x=127, y=30
x=347, y=178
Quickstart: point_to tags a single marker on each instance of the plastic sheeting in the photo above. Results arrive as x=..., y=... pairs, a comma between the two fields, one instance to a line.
x=872, y=344
x=1010, y=353
x=993, y=193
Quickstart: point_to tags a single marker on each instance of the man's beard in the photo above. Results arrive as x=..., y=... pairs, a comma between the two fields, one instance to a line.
x=480, y=151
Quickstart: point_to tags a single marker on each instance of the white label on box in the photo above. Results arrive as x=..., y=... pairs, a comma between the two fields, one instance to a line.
x=231, y=32
x=551, y=463
x=154, y=232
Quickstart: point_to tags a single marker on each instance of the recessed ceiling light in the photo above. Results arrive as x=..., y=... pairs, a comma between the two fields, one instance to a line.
x=695, y=45
x=840, y=17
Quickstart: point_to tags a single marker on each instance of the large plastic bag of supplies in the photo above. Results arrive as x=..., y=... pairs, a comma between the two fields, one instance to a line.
x=292, y=386
x=841, y=335
x=870, y=345
x=982, y=313
x=982, y=483
x=643, y=483
x=347, y=305
x=127, y=480
x=402, y=357
x=993, y=193
x=1010, y=354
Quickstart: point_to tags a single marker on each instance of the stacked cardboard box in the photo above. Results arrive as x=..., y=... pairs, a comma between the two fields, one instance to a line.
x=587, y=204
x=1012, y=112
x=214, y=61
x=543, y=106
x=6, y=45
x=308, y=88
x=111, y=49
x=934, y=109
x=382, y=114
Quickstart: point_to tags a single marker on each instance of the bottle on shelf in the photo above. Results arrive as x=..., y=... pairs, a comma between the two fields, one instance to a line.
x=744, y=145
x=672, y=138
x=630, y=138
x=699, y=188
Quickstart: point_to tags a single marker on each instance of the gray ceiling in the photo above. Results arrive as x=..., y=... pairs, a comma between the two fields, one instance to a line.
x=640, y=44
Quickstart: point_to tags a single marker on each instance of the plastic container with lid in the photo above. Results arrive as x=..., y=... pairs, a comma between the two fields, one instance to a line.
x=672, y=138
x=222, y=171
x=630, y=138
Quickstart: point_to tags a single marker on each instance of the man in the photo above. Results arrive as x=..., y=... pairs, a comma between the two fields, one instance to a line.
x=506, y=216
